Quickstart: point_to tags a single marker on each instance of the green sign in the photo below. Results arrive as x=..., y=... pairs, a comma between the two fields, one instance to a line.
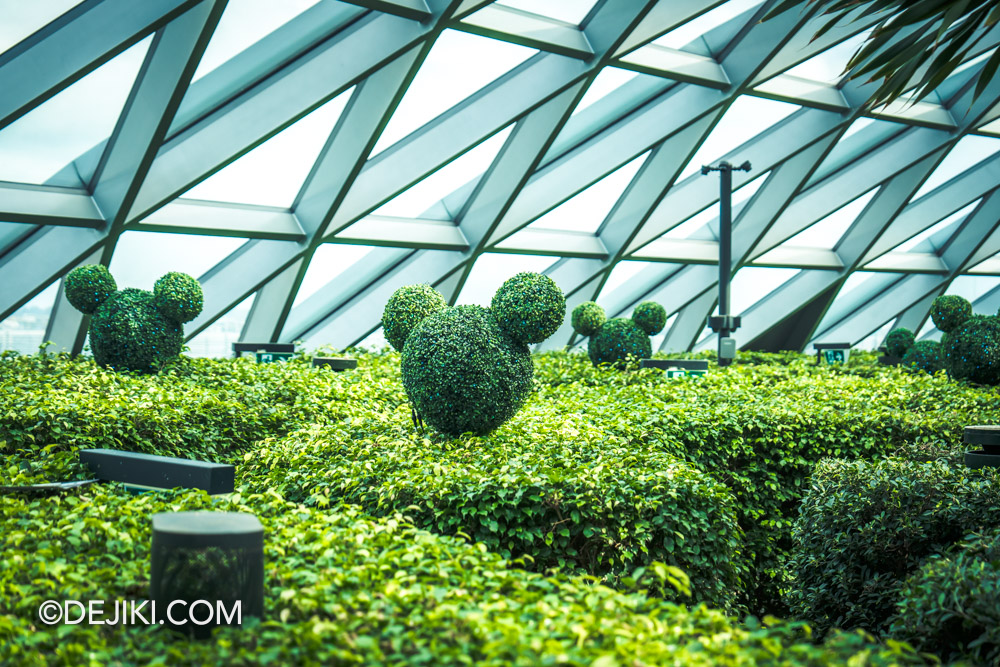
x=836, y=356
x=679, y=373
x=270, y=357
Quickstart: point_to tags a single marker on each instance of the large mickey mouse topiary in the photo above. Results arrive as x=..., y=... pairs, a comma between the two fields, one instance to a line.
x=618, y=340
x=970, y=344
x=134, y=329
x=468, y=369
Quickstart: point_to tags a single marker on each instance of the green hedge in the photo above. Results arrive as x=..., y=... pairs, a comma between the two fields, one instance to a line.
x=949, y=606
x=551, y=487
x=343, y=589
x=864, y=527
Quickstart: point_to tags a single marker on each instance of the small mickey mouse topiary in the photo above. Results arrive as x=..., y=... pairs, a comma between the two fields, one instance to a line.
x=899, y=341
x=406, y=308
x=925, y=356
x=468, y=369
x=619, y=340
x=134, y=329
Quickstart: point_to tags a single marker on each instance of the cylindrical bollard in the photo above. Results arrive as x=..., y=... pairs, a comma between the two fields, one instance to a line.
x=203, y=564
x=987, y=437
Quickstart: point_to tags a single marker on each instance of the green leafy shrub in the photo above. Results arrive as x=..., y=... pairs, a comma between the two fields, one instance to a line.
x=406, y=308
x=925, y=356
x=650, y=316
x=587, y=318
x=552, y=488
x=899, y=341
x=134, y=329
x=864, y=527
x=619, y=341
x=948, y=311
x=465, y=370
x=529, y=307
x=341, y=588
x=973, y=350
x=949, y=605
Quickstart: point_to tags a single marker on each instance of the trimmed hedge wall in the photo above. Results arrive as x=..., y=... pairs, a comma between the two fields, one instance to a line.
x=568, y=494
x=343, y=589
x=865, y=527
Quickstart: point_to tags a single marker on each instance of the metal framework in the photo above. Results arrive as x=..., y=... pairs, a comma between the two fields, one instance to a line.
x=173, y=134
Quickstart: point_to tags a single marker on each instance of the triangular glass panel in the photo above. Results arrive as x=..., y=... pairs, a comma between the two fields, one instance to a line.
x=273, y=173
x=827, y=232
x=608, y=80
x=585, y=211
x=425, y=198
x=458, y=65
x=492, y=269
x=41, y=143
x=859, y=288
x=567, y=11
x=746, y=118
x=142, y=257
x=243, y=24
x=968, y=152
x=873, y=340
x=828, y=66
x=329, y=261
x=621, y=273
x=22, y=19
x=374, y=341
x=922, y=242
x=751, y=284
x=689, y=35
x=218, y=338
x=703, y=226
x=974, y=288
x=856, y=143
x=24, y=330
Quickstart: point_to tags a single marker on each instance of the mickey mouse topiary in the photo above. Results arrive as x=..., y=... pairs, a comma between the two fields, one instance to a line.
x=970, y=344
x=468, y=369
x=618, y=340
x=134, y=329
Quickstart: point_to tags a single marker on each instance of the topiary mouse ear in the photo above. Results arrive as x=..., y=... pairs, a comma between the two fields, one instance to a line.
x=949, y=311
x=406, y=308
x=650, y=316
x=587, y=318
x=529, y=307
x=87, y=287
x=178, y=296
x=899, y=341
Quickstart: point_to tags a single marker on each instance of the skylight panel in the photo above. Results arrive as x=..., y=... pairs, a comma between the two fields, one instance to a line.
x=22, y=19
x=567, y=11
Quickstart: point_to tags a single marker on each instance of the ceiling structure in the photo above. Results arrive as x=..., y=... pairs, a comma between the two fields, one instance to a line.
x=858, y=219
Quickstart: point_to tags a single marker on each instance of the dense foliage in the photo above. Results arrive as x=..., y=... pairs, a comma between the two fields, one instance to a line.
x=634, y=455
x=899, y=341
x=406, y=308
x=865, y=527
x=529, y=307
x=343, y=589
x=133, y=329
x=463, y=374
x=949, y=605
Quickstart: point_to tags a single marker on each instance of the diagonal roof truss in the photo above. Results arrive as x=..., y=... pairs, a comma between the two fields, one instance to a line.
x=177, y=130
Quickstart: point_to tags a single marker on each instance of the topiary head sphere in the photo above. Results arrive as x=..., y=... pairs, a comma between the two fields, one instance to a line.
x=87, y=287
x=406, y=308
x=468, y=369
x=587, y=318
x=134, y=329
x=949, y=311
x=972, y=351
x=178, y=296
x=650, y=316
x=529, y=307
x=924, y=356
x=899, y=341
x=618, y=342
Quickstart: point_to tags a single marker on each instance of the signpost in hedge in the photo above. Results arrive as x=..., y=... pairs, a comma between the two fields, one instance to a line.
x=725, y=324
